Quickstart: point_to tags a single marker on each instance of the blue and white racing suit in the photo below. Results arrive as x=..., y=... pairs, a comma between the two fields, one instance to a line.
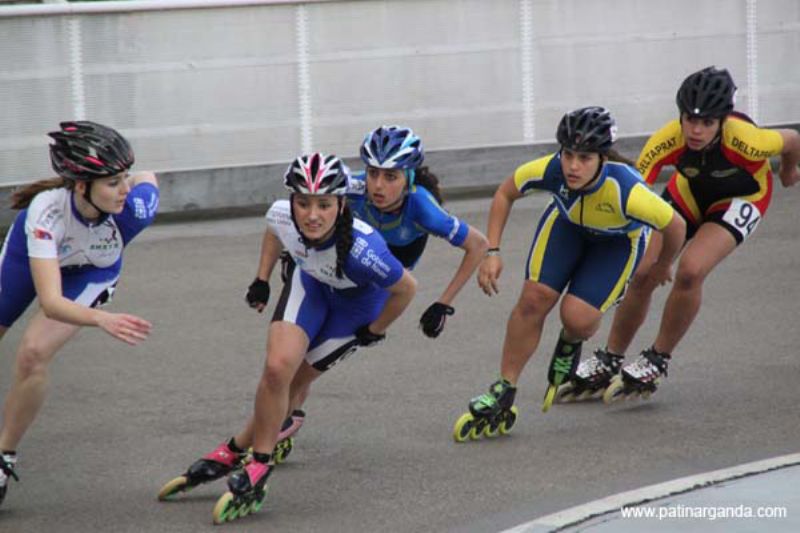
x=406, y=232
x=330, y=309
x=89, y=254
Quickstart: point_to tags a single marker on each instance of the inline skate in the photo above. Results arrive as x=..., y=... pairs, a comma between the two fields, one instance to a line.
x=225, y=458
x=490, y=414
x=247, y=490
x=290, y=427
x=7, y=463
x=562, y=368
x=639, y=378
x=592, y=377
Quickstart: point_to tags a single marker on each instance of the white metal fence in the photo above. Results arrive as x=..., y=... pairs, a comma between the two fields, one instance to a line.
x=198, y=84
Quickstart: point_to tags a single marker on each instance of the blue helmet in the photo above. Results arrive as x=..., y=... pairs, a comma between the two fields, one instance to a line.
x=392, y=147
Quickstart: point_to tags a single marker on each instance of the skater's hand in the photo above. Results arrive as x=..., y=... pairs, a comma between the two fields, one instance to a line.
x=789, y=176
x=127, y=328
x=659, y=274
x=365, y=337
x=257, y=295
x=432, y=321
x=489, y=273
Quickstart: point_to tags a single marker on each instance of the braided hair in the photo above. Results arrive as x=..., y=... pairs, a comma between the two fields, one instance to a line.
x=343, y=232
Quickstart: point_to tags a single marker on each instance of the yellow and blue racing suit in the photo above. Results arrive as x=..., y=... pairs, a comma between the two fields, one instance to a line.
x=592, y=239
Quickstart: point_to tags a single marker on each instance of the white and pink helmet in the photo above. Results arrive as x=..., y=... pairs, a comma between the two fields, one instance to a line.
x=317, y=174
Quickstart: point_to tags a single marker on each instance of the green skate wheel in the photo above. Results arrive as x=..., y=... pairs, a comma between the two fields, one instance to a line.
x=225, y=509
x=491, y=431
x=565, y=393
x=259, y=502
x=478, y=427
x=177, y=485
x=463, y=427
x=614, y=391
x=549, y=396
x=510, y=419
x=283, y=449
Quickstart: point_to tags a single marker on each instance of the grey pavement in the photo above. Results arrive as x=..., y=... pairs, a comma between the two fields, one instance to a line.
x=376, y=453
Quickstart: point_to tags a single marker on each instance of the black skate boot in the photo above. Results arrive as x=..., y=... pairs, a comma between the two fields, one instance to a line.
x=639, y=378
x=490, y=414
x=247, y=490
x=592, y=377
x=225, y=458
x=566, y=357
x=8, y=460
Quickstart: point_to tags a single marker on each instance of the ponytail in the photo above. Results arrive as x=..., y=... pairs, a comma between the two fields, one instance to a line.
x=616, y=157
x=21, y=198
x=428, y=179
x=344, y=238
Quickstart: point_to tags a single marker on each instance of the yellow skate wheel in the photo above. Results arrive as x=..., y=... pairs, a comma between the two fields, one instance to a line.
x=225, y=510
x=565, y=393
x=491, y=432
x=463, y=428
x=179, y=484
x=614, y=390
x=549, y=396
x=510, y=419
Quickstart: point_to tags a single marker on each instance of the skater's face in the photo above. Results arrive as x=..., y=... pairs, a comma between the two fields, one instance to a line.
x=315, y=215
x=108, y=194
x=386, y=187
x=579, y=168
x=699, y=132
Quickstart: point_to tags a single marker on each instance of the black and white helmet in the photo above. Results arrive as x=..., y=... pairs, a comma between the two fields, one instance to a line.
x=317, y=174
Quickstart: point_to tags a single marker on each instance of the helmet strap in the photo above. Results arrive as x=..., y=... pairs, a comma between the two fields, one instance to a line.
x=87, y=195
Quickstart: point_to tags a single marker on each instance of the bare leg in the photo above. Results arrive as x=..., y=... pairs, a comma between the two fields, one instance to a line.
x=580, y=319
x=301, y=385
x=40, y=343
x=710, y=246
x=632, y=311
x=524, y=328
x=286, y=346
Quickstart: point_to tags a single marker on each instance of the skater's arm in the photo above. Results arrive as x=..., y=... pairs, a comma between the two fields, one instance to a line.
x=475, y=247
x=400, y=295
x=492, y=265
x=47, y=281
x=271, y=248
x=790, y=157
x=674, y=235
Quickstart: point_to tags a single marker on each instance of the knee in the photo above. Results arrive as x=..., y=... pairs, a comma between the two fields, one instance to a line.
x=577, y=326
x=535, y=303
x=32, y=360
x=278, y=371
x=689, y=276
x=641, y=283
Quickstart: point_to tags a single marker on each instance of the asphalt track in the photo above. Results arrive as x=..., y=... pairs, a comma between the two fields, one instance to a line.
x=376, y=453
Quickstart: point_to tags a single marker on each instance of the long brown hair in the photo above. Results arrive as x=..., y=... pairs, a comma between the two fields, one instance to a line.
x=616, y=157
x=21, y=198
x=428, y=179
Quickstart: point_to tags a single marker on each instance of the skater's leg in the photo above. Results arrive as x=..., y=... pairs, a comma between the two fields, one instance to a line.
x=710, y=246
x=580, y=319
x=524, y=328
x=40, y=342
x=301, y=385
x=286, y=346
x=632, y=311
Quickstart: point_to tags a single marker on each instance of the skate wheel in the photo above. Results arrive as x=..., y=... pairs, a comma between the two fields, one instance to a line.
x=549, y=396
x=179, y=484
x=614, y=390
x=510, y=419
x=225, y=510
x=283, y=449
x=646, y=394
x=585, y=395
x=491, y=431
x=565, y=393
x=463, y=428
x=478, y=427
x=259, y=502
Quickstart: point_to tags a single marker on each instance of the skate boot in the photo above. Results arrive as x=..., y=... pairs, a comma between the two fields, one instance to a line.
x=562, y=368
x=7, y=463
x=592, y=377
x=640, y=378
x=247, y=490
x=219, y=463
x=290, y=427
x=490, y=414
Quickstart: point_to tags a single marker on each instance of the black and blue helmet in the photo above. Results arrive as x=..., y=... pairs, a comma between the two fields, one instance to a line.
x=392, y=147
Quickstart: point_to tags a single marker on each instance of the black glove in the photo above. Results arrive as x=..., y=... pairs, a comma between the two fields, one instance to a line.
x=257, y=293
x=366, y=338
x=432, y=321
x=287, y=264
